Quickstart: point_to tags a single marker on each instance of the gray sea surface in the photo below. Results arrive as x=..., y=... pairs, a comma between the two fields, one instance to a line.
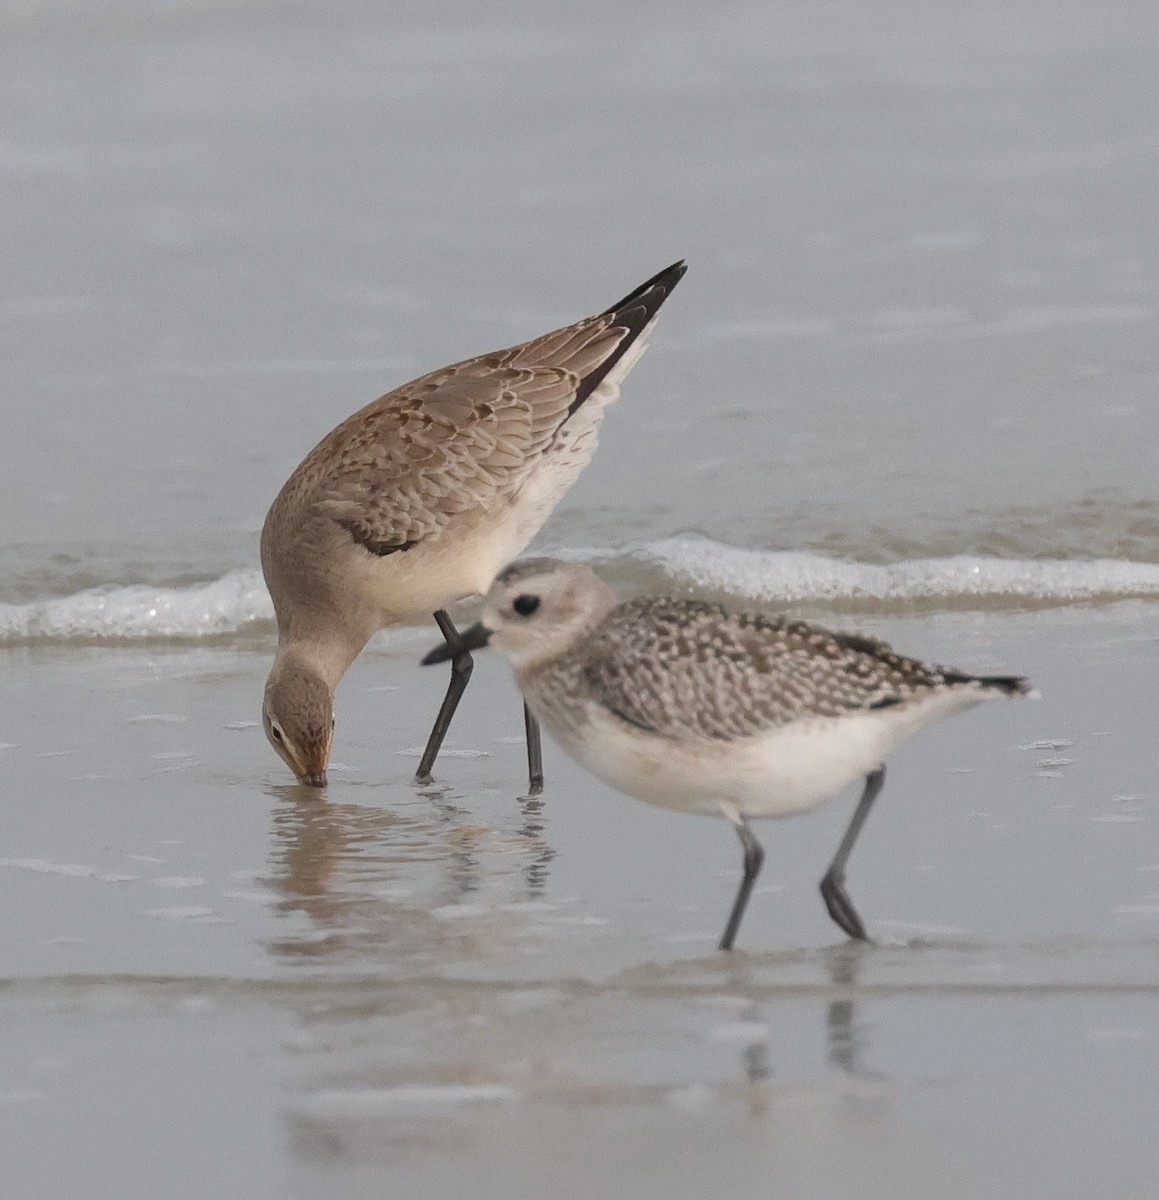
x=907, y=386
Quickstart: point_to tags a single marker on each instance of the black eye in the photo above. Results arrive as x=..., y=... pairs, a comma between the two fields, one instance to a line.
x=525, y=605
x=276, y=731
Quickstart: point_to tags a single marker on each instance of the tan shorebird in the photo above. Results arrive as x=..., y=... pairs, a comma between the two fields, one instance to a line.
x=419, y=499
x=700, y=709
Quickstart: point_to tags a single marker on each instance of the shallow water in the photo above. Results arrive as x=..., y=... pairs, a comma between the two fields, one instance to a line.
x=917, y=322
x=416, y=987
x=906, y=386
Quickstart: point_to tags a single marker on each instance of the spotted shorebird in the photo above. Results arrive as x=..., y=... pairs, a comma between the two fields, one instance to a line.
x=419, y=499
x=699, y=709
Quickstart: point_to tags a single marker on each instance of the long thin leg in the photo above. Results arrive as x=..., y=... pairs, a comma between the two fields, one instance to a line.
x=754, y=857
x=461, y=667
x=534, y=753
x=833, y=885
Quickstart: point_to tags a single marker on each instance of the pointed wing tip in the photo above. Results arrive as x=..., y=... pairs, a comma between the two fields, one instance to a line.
x=670, y=276
x=650, y=294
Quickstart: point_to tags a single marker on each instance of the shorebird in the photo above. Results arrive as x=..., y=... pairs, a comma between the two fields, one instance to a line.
x=700, y=709
x=419, y=499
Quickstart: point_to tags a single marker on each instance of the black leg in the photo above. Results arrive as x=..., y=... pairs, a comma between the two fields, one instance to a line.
x=534, y=753
x=833, y=885
x=754, y=857
x=461, y=667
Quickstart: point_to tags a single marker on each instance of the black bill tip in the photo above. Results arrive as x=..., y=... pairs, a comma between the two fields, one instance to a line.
x=474, y=638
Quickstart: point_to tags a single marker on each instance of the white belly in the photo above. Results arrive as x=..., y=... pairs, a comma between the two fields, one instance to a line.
x=787, y=770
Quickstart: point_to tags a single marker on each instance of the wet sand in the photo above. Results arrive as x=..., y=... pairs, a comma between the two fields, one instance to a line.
x=220, y=984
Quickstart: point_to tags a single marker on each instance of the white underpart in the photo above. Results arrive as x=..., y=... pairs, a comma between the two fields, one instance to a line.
x=777, y=773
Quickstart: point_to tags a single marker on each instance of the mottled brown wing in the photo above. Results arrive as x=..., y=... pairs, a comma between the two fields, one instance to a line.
x=685, y=669
x=461, y=438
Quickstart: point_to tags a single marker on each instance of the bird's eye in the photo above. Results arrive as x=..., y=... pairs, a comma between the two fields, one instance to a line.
x=276, y=730
x=333, y=724
x=525, y=605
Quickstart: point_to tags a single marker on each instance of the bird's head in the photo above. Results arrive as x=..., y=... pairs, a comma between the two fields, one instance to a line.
x=298, y=717
x=535, y=611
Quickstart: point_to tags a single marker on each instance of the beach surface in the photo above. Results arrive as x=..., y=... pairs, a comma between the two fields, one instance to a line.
x=221, y=984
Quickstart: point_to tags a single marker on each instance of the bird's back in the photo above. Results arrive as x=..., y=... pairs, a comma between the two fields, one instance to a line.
x=686, y=669
x=435, y=485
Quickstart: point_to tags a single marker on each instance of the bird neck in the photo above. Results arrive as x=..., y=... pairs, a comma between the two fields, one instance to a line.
x=327, y=659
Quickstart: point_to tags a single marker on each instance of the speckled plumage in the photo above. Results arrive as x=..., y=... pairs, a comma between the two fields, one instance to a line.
x=420, y=498
x=704, y=709
x=688, y=669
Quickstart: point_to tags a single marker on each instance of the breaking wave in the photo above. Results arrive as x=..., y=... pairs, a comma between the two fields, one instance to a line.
x=238, y=603
x=961, y=581
x=225, y=606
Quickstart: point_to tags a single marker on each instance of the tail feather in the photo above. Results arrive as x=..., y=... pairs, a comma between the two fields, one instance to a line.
x=1010, y=685
x=633, y=315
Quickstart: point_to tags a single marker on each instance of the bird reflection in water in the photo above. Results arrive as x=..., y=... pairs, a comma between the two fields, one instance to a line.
x=368, y=878
x=537, y=859
x=843, y=1036
x=841, y=1022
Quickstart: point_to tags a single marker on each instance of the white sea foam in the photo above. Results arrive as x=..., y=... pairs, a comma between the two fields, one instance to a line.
x=355, y=1104
x=239, y=599
x=786, y=577
x=221, y=607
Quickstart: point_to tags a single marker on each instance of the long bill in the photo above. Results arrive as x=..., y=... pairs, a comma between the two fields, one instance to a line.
x=473, y=638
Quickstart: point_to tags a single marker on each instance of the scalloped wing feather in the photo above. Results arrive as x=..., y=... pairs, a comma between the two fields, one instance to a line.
x=686, y=669
x=438, y=448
